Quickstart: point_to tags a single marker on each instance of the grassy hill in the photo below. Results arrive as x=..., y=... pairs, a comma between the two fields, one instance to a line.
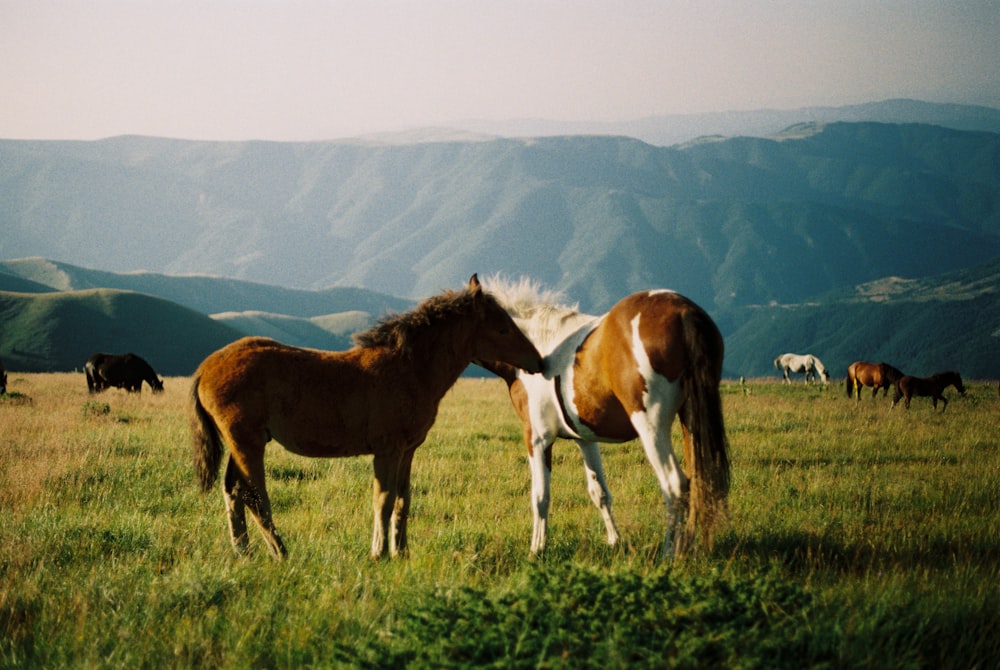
x=331, y=332
x=949, y=322
x=59, y=331
x=201, y=293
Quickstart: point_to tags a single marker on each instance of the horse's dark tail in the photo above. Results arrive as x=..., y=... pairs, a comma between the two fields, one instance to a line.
x=706, y=448
x=849, y=383
x=208, y=447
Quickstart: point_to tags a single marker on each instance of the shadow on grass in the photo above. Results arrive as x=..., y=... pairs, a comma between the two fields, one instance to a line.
x=802, y=552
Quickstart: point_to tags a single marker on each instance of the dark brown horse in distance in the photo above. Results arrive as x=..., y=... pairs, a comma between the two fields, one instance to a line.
x=932, y=387
x=3, y=379
x=876, y=375
x=379, y=397
x=126, y=371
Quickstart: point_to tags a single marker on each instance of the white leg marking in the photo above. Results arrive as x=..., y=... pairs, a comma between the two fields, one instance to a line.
x=540, y=482
x=597, y=486
x=661, y=400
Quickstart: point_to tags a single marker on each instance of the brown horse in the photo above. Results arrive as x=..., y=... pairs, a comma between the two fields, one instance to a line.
x=3, y=379
x=876, y=375
x=616, y=377
x=380, y=397
x=932, y=386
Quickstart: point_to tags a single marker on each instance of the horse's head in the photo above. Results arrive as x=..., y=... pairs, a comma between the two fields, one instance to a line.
x=957, y=381
x=156, y=384
x=498, y=338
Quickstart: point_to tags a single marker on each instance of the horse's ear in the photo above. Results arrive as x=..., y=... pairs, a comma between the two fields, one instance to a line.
x=474, y=284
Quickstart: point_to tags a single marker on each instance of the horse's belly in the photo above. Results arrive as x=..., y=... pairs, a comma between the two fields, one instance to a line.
x=604, y=422
x=324, y=449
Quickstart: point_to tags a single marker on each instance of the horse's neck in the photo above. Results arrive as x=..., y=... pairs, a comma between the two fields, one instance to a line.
x=549, y=330
x=504, y=371
x=439, y=359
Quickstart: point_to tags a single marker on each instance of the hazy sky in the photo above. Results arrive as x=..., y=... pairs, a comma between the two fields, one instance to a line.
x=321, y=69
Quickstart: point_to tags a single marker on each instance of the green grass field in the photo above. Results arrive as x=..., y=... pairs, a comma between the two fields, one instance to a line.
x=859, y=537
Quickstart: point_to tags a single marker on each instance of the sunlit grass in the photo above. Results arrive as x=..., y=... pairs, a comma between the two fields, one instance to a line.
x=882, y=524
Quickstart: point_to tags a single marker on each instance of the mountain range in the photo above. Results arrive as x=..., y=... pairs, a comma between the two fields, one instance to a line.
x=793, y=237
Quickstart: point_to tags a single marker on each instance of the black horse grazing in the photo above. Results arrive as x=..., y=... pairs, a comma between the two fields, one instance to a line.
x=3, y=379
x=125, y=372
x=932, y=386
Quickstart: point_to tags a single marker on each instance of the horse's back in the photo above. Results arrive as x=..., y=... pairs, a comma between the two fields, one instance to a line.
x=656, y=320
x=314, y=402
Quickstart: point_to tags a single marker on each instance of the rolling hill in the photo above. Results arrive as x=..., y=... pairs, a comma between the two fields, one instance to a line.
x=948, y=321
x=59, y=331
x=201, y=293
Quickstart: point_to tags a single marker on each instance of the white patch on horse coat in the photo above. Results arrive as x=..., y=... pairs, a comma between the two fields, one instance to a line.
x=548, y=414
x=662, y=398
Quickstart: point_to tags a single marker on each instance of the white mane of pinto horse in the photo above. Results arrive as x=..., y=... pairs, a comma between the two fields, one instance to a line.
x=549, y=407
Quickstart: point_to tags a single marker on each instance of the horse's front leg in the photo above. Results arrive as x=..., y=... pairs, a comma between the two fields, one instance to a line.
x=597, y=487
x=401, y=508
x=540, y=464
x=383, y=501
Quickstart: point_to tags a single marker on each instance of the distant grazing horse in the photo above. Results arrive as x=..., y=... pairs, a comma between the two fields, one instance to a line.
x=876, y=375
x=127, y=372
x=380, y=397
x=932, y=386
x=613, y=378
x=802, y=364
x=3, y=379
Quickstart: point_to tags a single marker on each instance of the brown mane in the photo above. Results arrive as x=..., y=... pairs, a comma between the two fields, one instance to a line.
x=405, y=332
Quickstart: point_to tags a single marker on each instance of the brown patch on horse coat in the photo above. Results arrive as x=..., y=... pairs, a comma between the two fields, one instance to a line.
x=605, y=401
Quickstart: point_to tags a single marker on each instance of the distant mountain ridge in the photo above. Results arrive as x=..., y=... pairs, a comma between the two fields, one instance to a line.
x=672, y=129
x=729, y=222
x=772, y=234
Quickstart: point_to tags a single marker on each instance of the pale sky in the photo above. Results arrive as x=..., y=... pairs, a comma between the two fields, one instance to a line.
x=324, y=69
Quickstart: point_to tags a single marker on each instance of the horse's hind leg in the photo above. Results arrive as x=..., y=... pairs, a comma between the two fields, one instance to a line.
x=653, y=428
x=233, y=491
x=597, y=487
x=245, y=489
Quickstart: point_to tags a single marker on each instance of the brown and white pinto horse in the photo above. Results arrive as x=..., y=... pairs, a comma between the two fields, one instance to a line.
x=876, y=375
x=380, y=397
x=932, y=387
x=616, y=377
